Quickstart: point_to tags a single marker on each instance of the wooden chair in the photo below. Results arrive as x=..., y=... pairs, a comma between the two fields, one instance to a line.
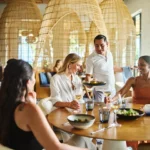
x=42, y=92
x=144, y=146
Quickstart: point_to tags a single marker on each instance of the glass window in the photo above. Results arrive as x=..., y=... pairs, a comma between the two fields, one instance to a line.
x=137, y=22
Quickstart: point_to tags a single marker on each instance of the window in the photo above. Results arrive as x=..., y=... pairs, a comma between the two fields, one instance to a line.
x=75, y=45
x=26, y=50
x=137, y=23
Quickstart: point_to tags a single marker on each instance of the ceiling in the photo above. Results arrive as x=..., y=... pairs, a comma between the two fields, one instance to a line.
x=37, y=1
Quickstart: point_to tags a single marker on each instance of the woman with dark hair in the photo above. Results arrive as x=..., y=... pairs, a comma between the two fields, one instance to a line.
x=57, y=66
x=23, y=125
x=139, y=84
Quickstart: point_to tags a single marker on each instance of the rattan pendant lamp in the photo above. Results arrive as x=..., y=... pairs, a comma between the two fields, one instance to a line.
x=68, y=25
x=121, y=31
x=20, y=18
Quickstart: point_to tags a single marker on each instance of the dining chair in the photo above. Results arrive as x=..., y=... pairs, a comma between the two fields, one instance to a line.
x=114, y=145
x=88, y=92
x=144, y=146
x=45, y=105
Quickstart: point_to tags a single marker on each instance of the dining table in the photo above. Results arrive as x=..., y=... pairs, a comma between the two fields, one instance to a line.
x=131, y=130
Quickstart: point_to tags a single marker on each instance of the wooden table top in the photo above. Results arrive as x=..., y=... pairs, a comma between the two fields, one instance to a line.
x=131, y=130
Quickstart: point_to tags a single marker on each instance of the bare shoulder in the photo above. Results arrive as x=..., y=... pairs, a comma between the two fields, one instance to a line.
x=26, y=113
x=131, y=81
x=28, y=109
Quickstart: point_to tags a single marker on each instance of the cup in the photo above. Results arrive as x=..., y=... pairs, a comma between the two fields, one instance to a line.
x=104, y=114
x=89, y=104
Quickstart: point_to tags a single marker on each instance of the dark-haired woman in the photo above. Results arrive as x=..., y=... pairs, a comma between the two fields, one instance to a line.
x=57, y=66
x=23, y=125
x=140, y=86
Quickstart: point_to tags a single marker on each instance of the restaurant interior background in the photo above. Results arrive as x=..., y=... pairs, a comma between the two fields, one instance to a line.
x=140, y=14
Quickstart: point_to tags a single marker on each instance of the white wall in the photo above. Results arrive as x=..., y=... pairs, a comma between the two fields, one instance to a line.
x=144, y=5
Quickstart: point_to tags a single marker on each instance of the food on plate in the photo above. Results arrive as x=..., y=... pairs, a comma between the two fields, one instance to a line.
x=129, y=112
x=81, y=120
x=93, y=81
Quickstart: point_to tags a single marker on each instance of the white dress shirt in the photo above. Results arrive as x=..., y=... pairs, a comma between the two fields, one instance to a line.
x=61, y=88
x=101, y=68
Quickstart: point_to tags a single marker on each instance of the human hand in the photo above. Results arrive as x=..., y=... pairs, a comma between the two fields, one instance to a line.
x=74, y=105
x=107, y=100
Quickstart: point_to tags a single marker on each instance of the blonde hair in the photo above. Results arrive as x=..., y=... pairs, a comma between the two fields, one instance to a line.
x=70, y=59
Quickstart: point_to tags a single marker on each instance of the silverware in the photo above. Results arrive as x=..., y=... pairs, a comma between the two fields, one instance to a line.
x=102, y=129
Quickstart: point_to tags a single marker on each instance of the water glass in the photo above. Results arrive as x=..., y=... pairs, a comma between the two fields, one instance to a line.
x=104, y=114
x=89, y=104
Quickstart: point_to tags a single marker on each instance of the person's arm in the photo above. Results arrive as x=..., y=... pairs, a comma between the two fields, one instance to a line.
x=88, y=77
x=124, y=89
x=118, y=69
x=40, y=127
x=73, y=104
x=89, y=69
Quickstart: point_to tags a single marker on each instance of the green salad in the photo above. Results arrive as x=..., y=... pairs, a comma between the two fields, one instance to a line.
x=129, y=112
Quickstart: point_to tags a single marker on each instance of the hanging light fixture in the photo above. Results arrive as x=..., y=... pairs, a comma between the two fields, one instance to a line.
x=19, y=18
x=69, y=26
x=121, y=31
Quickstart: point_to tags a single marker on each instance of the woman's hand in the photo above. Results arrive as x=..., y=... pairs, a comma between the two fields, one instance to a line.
x=74, y=105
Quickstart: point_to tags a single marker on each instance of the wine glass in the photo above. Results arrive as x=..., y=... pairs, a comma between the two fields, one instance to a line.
x=78, y=94
x=115, y=108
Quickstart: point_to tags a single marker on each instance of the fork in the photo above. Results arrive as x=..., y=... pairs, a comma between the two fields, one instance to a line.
x=102, y=129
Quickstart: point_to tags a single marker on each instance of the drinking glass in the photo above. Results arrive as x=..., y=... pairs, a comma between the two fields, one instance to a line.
x=104, y=114
x=78, y=94
x=115, y=108
x=89, y=104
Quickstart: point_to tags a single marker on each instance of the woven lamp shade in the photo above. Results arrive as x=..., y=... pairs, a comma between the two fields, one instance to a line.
x=20, y=18
x=68, y=25
x=121, y=31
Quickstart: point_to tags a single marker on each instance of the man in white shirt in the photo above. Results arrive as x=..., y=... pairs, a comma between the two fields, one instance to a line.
x=100, y=65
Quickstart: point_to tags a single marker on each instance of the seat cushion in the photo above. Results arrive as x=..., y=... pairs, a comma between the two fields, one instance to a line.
x=46, y=105
x=43, y=80
x=48, y=75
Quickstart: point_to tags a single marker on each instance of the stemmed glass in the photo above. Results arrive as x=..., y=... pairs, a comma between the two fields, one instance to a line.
x=115, y=108
x=78, y=94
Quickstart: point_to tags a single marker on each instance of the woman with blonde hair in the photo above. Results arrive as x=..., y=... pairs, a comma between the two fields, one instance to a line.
x=63, y=86
x=65, y=82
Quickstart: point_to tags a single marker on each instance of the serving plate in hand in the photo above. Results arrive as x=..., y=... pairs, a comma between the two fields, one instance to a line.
x=128, y=117
x=97, y=83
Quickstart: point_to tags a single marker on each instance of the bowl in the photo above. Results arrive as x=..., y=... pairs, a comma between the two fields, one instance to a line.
x=81, y=121
x=130, y=117
x=146, y=109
